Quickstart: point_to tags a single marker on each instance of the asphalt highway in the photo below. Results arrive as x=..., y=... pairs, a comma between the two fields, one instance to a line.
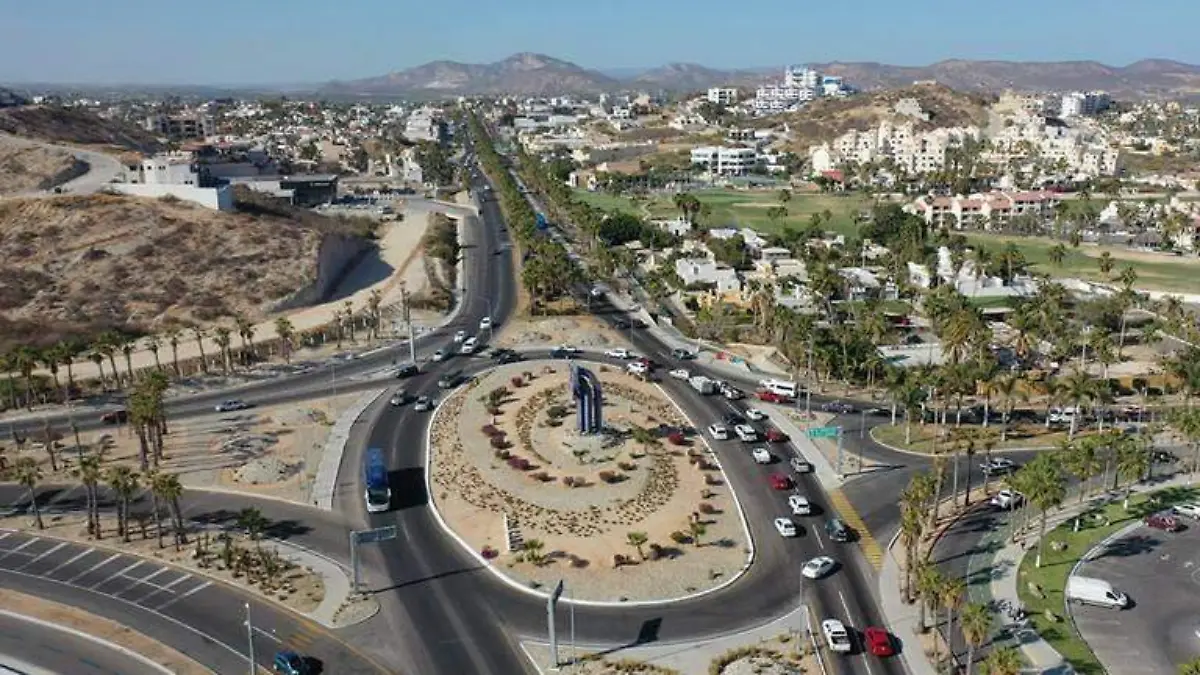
x=36, y=648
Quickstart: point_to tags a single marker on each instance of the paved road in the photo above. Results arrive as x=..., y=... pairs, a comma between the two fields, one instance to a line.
x=102, y=169
x=37, y=648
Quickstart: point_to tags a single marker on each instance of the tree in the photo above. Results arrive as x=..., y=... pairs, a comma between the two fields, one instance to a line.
x=89, y=474
x=108, y=343
x=124, y=482
x=153, y=344
x=1010, y=391
x=976, y=624
x=698, y=530
x=1044, y=488
x=950, y=596
x=1002, y=661
x=253, y=522
x=173, y=335
x=533, y=551
x=929, y=582
x=286, y=333
x=1057, y=254
x=1079, y=388
x=198, y=335
x=154, y=480
x=1105, y=263
x=28, y=475
x=222, y=339
x=1080, y=460
x=245, y=331
x=170, y=491
x=637, y=540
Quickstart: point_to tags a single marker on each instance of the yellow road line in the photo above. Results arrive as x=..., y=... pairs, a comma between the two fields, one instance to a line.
x=870, y=547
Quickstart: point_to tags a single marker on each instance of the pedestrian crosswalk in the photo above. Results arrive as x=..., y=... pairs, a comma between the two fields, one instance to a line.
x=870, y=547
x=301, y=638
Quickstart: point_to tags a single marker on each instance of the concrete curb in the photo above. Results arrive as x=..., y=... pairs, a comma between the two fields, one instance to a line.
x=89, y=637
x=325, y=482
x=927, y=455
x=522, y=588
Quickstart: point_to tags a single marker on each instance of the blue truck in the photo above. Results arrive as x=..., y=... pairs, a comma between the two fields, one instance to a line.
x=375, y=479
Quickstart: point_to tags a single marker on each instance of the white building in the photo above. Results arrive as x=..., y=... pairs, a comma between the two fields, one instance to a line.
x=725, y=161
x=722, y=96
x=801, y=78
x=423, y=125
x=174, y=175
x=703, y=271
x=1079, y=103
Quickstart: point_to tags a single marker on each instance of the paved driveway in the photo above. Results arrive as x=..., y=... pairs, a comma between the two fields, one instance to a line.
x=1161, y=574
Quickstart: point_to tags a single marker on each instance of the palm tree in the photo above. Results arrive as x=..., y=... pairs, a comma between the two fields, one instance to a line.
x=198, y=335
x=1079, y=388
x=173, y=335
x=929, y=581
x=124, y=482
x=286, y=333
x=154, y=481
x=637, y=540
x=245, y=331
x=107, y=344
x=976, y=624
x=97, y=357
x=1010, y=391
x=50, y=358
x=1057, y=254
x=950, y=596
x=221, y=338
x=170, y=491
x=1044, y=488
x=1002, y=661
x=1106, y=263
x=153, y=344
x=28, y=475
x=374, y=314
x=126, y=345
x=25, y=359
x=1081, y=461
x=88, y=473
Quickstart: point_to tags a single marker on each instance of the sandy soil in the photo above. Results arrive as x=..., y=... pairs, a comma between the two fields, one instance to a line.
x=24, y=167
x=659, y=491
x=777, y=655
x=300, y=588
x=102, y=628
x=582, y=331
x=271, y=451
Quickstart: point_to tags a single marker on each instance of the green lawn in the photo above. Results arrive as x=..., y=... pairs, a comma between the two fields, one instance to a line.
x=745, y=208
x=1051, y=577
x=1180, y=275
x=1019, y=436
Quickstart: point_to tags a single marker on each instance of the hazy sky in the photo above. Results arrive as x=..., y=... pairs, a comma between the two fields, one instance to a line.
x=269, y=41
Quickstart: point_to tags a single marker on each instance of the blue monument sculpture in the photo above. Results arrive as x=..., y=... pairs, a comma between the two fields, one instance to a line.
x=585, y=388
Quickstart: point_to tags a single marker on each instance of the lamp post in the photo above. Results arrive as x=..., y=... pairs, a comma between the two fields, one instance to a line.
x=250, y=641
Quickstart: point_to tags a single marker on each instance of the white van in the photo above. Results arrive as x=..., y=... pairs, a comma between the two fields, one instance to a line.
x=1093, y=591
x=781, y=387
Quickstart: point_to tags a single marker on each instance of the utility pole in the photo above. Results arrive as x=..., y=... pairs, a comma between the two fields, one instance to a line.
x=250, y=641
x=808, y=386
x=407, y=312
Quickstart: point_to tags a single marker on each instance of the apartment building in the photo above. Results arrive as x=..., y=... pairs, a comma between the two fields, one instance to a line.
x=983, y=209
x=1078, y=103
x=423, y=125
x=910, y=151
x=722, y=96
x=725, y=161
x=181, y=126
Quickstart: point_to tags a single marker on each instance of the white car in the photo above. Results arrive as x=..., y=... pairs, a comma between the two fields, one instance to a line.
x=637, y=368
x=439, y=356
x=719, y=432
x=761, y=456
x=460, y=336
x=746, y=433
x=230, y=406
x=1190, y=510
x=570, y=349
x=1008, y=499
x=836, y=636
x=469, y=345
x=619, y=354
x=485, y=323
x=755, y=414
x=786, y=527
x=799, y=505
x=680, y=374
x=817, y=567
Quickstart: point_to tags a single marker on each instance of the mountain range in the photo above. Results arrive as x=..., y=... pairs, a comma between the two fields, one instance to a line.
x=537, y=74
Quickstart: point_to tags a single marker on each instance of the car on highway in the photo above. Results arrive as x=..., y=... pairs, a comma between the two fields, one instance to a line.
x=837, y=530
x=771, y=397
x=800, y=465
x=998, y=466
x=683, y=354
x=440, y=355
x=776, y=436
x=1163, y=521
x=469, y=346
x=1190, y=510
x=449, y=381
x=719, y=432
x=619, y=353
x=761, y=456
x=407, y=370
x=836, y=636
x=231, y=405
x=733, y=419
x=288, y=662
x=755, y=414
x=780, y=482
x=680, y=374
x=1007, y=499
x=731, y=392
x=785, y=527
x=746, y=433
x=115, y=417
x=423, y=404
x=799, y=505
x=878, y=641
x=838, y=407
x=485, y=323
x=459, y=336
x=400, y=398
x=637, y=368
x=818, y=567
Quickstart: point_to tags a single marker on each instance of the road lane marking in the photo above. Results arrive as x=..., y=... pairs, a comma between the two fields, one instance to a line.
x=870, y=547
x=820, y=542
x=267, y=634
x=50, y=550
x=73, y=559
x=95, y=567
x=846, y=606
x=136, y=564
x=138, y=581
x=18, y=549
x=165, y=589
x=6, y=535
x=176, y=599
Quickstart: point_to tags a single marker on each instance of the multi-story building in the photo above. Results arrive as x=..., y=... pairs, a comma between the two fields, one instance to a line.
x=911, y=152
x=181, y=126
x=423, y=125
x=1079, y=103
x=725, y=161
x=722, y=96
x=801, y=78
x=983, y=209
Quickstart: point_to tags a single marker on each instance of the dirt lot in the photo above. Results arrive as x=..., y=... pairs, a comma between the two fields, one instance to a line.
x=25, y=168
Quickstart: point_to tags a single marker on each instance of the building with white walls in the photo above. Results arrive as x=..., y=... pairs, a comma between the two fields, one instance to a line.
x=1078, y=103
x=722, y=96
x=725, y=161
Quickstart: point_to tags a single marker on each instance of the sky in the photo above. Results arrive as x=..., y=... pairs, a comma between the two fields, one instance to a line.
x=226, y=42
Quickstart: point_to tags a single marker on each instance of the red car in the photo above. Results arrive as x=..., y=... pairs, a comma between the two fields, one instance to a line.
x=771, y=397
x=1164, y=522
x=776, y=436
x=780, y=481
x=878, y=641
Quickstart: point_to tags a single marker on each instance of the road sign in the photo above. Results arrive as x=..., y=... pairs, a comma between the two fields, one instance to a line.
x=824, y=432
x=551, y=604
x=376, y=535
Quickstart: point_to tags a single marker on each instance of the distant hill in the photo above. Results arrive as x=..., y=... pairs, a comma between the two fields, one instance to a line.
x=826, y=119
x=524, y=73
x=9, y=98
x=537, y=74
x=75, y=126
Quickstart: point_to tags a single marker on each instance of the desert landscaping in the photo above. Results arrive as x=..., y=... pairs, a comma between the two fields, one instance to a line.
x=639, y=512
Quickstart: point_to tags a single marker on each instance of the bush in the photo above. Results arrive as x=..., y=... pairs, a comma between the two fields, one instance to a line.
x=656, y=552
x=489, y=553
x=612, y=477
x=543, y=476
x=517, y=381
x=627, y=466
x=503, y=454
x=569, y=481
x=680, y=538
x=557, y=412
x=706, y=508
x=519, y=463
x=493, y=410
x=499, y=442
x=490, y=430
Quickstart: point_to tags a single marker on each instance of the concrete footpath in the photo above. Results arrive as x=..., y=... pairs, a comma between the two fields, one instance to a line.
x=325, y=482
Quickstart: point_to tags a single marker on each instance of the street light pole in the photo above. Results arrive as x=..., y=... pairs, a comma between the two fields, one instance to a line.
x=808, y=387
x=250, y=641
x=412, y=342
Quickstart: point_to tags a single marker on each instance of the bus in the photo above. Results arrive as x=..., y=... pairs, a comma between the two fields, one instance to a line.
x=375, y=477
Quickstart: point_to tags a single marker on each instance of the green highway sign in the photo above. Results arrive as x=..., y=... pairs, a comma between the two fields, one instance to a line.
x=824, y=432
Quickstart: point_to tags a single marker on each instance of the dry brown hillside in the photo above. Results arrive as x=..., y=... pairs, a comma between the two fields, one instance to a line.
x=75, y=126
x=28, y=167
x=74, y=265
x=826, y=119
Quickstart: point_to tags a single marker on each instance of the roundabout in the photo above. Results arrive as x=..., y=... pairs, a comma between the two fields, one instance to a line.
x=634, y=508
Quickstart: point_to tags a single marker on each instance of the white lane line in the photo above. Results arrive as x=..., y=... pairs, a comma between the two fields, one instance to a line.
x=165, y=589
x=820, y=542
x=138, y=581
x=50, y=550
x=73, y=559
x=18, y=549
x=176, y=599
x=95, y=567
x=114, y=576
x=268, y=635
x=846, y=606
x=6, y=535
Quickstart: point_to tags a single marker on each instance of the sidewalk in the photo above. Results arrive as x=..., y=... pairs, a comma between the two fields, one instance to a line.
x=901, y=619
x=336, y=580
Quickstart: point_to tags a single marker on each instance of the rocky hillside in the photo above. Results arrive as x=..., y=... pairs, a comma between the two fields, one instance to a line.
x=75, y=126
x=525, y=73
x=826, y=119
x=74, y=265
x=25, y=167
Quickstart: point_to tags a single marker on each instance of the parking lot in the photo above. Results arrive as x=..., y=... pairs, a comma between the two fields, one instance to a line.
x=1160, y=572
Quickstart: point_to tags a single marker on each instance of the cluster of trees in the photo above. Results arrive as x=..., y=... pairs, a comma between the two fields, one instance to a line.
x=434, y=160
x=441, y=241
